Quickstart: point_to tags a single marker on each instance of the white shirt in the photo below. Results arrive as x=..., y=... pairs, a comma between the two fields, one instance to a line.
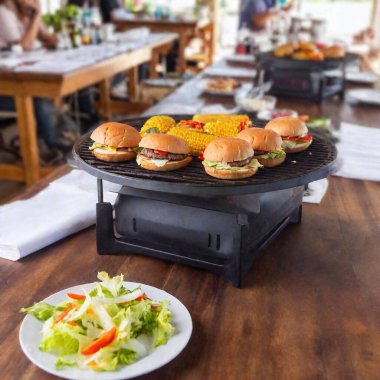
x=11, y=28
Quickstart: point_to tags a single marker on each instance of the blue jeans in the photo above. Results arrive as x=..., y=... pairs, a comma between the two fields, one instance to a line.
x=45, y=117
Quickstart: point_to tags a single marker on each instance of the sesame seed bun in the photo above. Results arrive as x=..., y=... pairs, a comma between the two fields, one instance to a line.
x=164, y=142
x=117, y=135
x=227, y=149
x=261, y=139
x=287, y=126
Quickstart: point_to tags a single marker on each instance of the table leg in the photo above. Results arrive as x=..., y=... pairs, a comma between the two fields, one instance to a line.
x=28, y=138
x=105, y=100
x=181, y=53
x=153, y=63
x=132, y=83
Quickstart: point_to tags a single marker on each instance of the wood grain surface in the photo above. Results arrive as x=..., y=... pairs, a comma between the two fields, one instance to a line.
x=308, y=310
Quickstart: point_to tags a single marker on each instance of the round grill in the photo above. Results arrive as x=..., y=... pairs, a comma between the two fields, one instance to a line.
x=299, y=169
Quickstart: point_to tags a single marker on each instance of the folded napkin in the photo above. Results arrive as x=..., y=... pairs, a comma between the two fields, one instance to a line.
x=65, y=207
x=316, y=191
x=358, y=152
x=217, y=109
x=172, y=109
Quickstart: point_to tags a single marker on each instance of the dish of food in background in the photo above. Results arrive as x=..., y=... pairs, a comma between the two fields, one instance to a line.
x=319, y=122
x=293, y=131
x=163, y=152
x=230, y=158
x=115, y=142
x=143, y=358
x=266, y=144
x=363, y=95
x=220, y=86
x=309, y=51
x=158, y=124
x=241, y=59
x=255, y=104
x=267, y=115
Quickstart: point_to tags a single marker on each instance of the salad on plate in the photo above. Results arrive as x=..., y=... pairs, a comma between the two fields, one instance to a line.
x=104, y=329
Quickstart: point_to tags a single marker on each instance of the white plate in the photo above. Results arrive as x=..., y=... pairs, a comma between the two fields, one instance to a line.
x=364, y=95
x=30, y=337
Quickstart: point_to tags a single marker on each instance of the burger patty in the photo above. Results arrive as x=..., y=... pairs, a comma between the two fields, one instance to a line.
x=170, y=156
x=240, y=163
x=260, y=152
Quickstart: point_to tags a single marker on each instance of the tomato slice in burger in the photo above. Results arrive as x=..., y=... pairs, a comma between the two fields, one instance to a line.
x=161, y=152
x=306, y=138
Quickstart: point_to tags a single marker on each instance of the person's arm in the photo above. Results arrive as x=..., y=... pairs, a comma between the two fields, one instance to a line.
x=49, y=40
x=33, y=27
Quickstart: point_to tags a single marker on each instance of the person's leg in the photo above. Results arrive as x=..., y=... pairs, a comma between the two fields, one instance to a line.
x=46, y=121
x=7, y=103
x=86, y=106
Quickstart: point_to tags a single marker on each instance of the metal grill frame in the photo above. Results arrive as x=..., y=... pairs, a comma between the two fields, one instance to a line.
x=299, y=169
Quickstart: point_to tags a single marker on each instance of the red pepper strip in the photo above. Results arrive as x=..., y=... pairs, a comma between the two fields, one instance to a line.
x=191, y=123
x=243, y=125
x=201, y=158
x=143, y=297
x=104, y=340
x=76, y=296
x=64, y=313
x=72, y=323
x=160, y=152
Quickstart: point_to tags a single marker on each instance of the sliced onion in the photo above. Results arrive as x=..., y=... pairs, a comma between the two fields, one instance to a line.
x=86, y=304
x=122, y=299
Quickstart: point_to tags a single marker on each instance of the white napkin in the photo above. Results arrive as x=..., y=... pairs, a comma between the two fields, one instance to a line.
x=172, y=109
x=65, y=207
x=227, y=71
x=358, y=152
x=216, y=109
x=316, y=191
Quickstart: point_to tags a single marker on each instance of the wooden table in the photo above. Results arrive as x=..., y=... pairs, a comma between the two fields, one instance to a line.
x=308, y=309
x=186, y=29
x=25, y=86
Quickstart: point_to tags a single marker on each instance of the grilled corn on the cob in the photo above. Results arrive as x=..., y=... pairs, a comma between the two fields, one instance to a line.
x=197, y=141
x=216, y=117
x=225, y=128
x=158, y=124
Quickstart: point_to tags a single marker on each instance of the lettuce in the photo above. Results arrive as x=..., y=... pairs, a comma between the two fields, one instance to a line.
x=113, y=285
x=164, y=329
x=61, y=363
x=125, y=356
x=273, y=155
x=41, y=310
x=59, y=343
x=289, y=144
x=96, y=145
x=224, y=166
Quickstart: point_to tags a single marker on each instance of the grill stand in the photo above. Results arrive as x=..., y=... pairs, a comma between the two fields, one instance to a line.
x=223, y=235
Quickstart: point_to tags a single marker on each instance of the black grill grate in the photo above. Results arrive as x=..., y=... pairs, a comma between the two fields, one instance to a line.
x=301, y=168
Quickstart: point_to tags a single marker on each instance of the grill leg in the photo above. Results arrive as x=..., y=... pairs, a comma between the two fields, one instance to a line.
x=105, y=239
x=296, y=216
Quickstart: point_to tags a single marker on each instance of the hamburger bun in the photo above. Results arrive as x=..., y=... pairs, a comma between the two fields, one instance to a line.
x=264, y=139
x=287, y=126
x=117, y=135
x=227, y=149
x=271, y=162
x=230, y=174
x=334, y=51
x=261, y=139
x=149, y=164
x=113, y=156
x=164, y=142
x=298, y=148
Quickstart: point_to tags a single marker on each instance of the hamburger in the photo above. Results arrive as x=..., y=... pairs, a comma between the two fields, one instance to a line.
x=230, y=158
x=162, y=152
x=267, y=145
x=333, y=52
x=115, y=142
x=293, y=132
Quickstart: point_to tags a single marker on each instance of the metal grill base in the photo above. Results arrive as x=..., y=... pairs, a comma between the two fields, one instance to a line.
x=222, y=234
